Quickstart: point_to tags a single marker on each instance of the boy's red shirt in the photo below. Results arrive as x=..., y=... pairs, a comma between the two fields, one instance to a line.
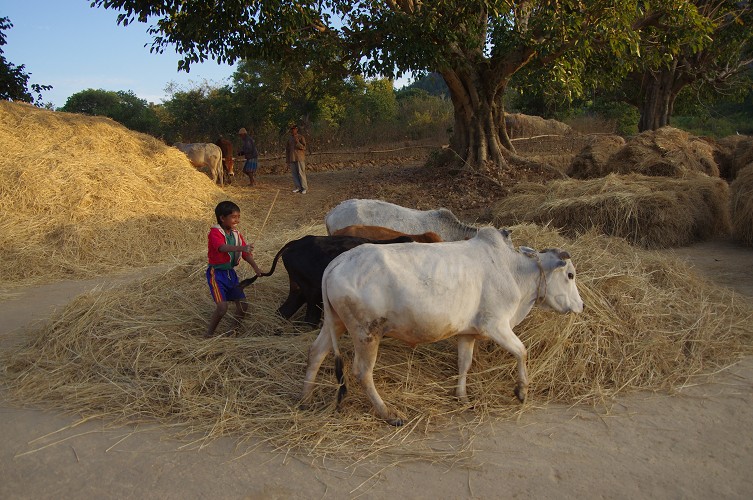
x=217, y=238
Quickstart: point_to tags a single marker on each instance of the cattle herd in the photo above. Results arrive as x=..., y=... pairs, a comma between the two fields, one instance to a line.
x=372, y=278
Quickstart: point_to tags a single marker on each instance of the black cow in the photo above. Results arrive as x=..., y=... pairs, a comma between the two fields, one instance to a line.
x=305, y=259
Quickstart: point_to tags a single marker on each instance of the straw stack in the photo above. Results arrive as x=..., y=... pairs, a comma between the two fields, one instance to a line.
x=741, y=206
x=653, y=212
x=136, y=353
x=83, y=196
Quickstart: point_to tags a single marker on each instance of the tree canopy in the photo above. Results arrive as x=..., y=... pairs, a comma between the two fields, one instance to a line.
x=122, y=106
x=476, y=46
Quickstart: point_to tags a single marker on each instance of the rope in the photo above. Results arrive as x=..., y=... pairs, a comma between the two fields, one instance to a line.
x=542, y=279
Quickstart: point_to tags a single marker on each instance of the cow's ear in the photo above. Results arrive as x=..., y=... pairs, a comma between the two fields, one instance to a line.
x=527, y=251
x=563, y=255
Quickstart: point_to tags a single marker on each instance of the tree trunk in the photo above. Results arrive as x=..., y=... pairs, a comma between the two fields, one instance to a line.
x=478, y=134
x=658, y=92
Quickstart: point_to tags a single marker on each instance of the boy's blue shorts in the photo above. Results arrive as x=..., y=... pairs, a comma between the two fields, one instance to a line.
x=223, y=285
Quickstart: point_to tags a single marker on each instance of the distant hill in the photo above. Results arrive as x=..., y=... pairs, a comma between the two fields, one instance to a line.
x=432, y=84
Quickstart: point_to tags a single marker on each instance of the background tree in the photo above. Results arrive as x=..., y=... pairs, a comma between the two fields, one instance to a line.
x=14, y=80
x=488, y=43
x=200, y=114
x=675, y=59
x=122, y=106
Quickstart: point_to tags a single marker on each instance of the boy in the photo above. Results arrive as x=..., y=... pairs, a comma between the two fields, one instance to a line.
x=226, y=248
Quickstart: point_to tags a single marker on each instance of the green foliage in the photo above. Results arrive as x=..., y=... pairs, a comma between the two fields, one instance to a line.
x=624, y=115
x=200, y=114
x=122, y=106
x=424, y=115
x=379, y=101
x=295, y=57
x=720, y=118
x=14, y=80
x=431, y=83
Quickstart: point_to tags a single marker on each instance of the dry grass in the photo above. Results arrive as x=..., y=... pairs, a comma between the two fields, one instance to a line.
x=520, y=125
x=654, y=212
x=91, y=197
x=81, y=196
x=667, y=152
x=732, y=154
x=741, y=206
x=136, y=354
x=593, y=160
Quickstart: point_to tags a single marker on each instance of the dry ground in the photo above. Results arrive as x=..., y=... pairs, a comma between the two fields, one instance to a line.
x=695, y=443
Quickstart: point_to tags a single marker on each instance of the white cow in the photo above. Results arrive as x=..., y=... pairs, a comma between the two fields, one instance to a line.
x=204, y=154
x=406, y=220
x=474, y=289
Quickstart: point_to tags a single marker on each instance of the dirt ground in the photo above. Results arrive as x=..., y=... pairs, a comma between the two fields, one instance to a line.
x=693, y=443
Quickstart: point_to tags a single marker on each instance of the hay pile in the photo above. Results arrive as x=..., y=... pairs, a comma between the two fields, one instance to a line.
x=83, y=196
x=732, y=154
x=741, y=206
x=593, y=160
x=653, y=212
x=136, y=353
x=667, y=152
x=520, y=125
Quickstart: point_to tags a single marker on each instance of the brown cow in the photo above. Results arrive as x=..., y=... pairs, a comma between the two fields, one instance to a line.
x=385, y=233
x=227, y=157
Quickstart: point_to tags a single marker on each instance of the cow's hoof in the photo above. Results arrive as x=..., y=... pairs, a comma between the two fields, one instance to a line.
x=397, y=422
x=304, y=405
x=521, y=393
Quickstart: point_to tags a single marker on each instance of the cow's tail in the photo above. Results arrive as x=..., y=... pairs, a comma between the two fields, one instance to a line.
x=248, y=281
x=329, y=324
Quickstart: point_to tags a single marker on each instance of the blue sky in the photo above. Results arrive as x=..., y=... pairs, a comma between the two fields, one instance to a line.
x=73, y=47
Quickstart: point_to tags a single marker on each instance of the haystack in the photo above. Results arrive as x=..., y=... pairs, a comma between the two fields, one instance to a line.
x=136, y=353
x=732, y=154
x=667, y=152
x=741, y=206
x=653, y=212
x=593, y=160
x=520, y=125
x=83, y=195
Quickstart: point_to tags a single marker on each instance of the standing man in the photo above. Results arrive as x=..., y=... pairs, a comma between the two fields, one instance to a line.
x=295, y=155
x=249, y=151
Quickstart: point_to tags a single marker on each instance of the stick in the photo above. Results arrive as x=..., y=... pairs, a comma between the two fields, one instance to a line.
x=267, y=217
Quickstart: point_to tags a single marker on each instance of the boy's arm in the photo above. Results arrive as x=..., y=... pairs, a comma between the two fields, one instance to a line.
x=225, y=248
x=249, y=258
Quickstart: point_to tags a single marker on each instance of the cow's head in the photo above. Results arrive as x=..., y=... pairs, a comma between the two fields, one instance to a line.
x=229, y=163
x=557, y=289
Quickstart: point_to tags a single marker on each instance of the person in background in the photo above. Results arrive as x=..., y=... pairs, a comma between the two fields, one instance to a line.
x=226, y=248
x=295, y=155
x=251, y=154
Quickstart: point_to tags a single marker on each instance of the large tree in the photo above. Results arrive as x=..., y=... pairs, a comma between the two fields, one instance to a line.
x=717, y=61
x=122, y=106
x=476, y=46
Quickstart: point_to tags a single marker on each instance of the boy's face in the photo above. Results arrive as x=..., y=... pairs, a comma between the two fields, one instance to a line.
x=230, y=221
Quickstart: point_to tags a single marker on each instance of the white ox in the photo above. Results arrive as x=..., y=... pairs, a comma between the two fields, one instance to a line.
x=204, y=154
x=474, y=289
x=406, y=220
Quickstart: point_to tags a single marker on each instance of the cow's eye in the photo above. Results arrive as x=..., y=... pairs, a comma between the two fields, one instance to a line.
x=570, y=276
